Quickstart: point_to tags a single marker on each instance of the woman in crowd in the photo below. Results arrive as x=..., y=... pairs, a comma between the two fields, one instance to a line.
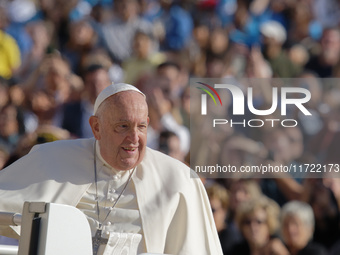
x=219, y=201
x=297, y=226
x=258, y=221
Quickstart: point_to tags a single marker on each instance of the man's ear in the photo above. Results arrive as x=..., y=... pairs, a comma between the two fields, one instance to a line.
x=94, y=123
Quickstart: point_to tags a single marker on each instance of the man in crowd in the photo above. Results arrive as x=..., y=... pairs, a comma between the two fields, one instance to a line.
x=126, y=190
x=76, y=114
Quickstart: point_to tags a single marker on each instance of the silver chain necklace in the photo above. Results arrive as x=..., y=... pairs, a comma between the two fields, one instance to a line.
x=97, y=240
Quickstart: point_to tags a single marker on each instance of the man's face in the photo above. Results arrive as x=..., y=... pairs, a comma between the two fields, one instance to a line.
x=127, y=9
x=96, y=81
x=121, y=129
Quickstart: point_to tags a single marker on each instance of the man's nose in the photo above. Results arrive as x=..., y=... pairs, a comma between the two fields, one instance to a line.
x=133, y=135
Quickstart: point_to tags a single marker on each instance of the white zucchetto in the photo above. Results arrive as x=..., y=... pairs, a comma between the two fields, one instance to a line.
x=111, y=90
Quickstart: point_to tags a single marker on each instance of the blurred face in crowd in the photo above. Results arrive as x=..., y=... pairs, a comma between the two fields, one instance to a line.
x=4, y=96
x=126, y=9
x=279, y=144
x=330, y=43
x=173, y=75
x=295, y=232
x=57, y=73
x=172, y=147
x=4, y=156
x=219, y=213
x=8, y=121
x=120, y=128
x=142, y=45
x=239, y=193
x=234, y=157
x=95, y=82
x=218, y=41
x=332, y=183
x=311, y=82
x=81, y=33
x=186, y=100
x=255, y=228
x=39, y=34
x=295, y=138
x=215, y=68
x=166, y=3
x=201, y=34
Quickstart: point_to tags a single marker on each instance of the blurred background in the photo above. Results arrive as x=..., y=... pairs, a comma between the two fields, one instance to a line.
x=57, y=55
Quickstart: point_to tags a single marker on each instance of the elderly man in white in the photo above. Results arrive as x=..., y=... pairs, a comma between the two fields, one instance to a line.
x=136, y=199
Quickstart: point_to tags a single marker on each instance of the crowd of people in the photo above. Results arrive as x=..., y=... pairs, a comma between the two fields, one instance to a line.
x=57, y=56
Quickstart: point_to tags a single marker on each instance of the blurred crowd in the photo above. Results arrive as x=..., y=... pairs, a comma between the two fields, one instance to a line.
x=57, y=55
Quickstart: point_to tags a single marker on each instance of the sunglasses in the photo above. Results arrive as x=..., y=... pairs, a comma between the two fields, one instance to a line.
x=248, y=222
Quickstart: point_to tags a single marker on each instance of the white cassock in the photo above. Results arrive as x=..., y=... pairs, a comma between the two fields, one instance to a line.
x=163, y=205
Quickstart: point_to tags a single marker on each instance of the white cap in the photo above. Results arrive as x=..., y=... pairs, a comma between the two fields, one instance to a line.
x=21, y=10
x=111, y=90
x=274, y=29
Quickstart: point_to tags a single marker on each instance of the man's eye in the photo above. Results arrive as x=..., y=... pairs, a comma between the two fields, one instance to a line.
x=122, y=127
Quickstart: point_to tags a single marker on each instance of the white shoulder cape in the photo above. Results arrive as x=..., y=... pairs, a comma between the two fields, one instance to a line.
x=175, y=212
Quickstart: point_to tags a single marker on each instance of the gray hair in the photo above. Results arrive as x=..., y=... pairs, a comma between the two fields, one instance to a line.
x=300, y=209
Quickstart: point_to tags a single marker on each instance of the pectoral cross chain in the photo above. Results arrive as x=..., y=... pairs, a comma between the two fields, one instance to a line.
x=97, y=240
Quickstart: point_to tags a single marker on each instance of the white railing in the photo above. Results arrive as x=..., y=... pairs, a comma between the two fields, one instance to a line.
x=8, y=250
x=49, y=229
x=9, y=219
